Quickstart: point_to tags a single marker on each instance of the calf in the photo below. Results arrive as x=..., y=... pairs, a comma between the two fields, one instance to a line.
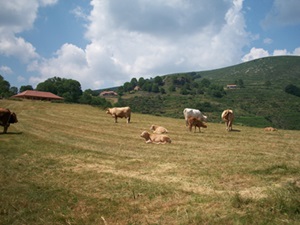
x=155, y=138
x=270, y=129
x=6, y=118
x=158, y=129
x=193, y=121
x=187, y=112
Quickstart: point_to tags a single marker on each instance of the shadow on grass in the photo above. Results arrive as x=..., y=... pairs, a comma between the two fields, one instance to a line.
x=11, y=133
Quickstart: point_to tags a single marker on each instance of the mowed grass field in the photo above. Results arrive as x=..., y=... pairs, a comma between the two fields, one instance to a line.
x=71, y=164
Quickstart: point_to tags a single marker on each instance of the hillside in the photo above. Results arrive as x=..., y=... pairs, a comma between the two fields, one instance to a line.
x=71, y=164
x=260, y=99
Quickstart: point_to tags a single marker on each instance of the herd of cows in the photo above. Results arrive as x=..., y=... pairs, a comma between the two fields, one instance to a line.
x=193, y=118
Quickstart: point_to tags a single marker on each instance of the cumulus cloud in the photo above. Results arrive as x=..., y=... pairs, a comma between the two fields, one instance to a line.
x=17, y=16
x=256, y=53
x=283, y=13
x=6, y=70
x=148, y=38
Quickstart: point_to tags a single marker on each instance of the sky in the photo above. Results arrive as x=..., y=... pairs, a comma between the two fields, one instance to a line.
x=105, y=43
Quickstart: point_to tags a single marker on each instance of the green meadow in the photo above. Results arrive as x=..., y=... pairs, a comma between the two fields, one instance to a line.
x=71, y=164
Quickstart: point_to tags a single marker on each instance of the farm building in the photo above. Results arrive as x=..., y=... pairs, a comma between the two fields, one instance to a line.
x=37, y=95
x=231, y=86
x=108, y=93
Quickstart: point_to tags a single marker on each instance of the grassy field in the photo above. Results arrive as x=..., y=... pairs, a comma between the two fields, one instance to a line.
x=71, y=164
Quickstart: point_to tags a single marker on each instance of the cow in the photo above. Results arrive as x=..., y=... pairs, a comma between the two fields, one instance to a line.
x=270, y=129
x=193, y=121
x=155, y=138
x=6, y=118
x=120, y=112
x=228, y=117
x=158, y=129
x=187, y=112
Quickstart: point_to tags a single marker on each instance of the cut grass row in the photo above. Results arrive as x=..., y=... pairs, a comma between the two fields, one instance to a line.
x=71, y=164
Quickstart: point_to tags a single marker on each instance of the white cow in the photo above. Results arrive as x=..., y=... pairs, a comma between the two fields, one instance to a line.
x=187, y=112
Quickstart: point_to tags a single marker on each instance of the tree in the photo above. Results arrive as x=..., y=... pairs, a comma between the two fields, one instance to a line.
x=69, y=89
x=292, y=89
x=25, y=88
x=141, y=81
x=158, y=80
x=205, y=82
x=4, y=88
x=13, y=90
x=155, y=88
x=240, y=83
x=134, y=82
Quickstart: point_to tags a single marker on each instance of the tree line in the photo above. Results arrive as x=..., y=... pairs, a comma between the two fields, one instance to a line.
x=69, y=89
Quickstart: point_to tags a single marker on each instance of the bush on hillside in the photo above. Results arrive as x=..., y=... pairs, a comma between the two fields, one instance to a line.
x=292, y=89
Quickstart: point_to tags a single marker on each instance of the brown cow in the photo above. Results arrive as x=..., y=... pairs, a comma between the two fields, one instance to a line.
x=193, y=121
x=158, y=129
x=228, y=117
x=6, y=118
x=120, y=112
x=155, y=138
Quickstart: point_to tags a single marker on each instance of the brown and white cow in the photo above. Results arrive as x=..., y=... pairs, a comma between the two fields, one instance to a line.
x=228, y=117
x=6, y=118
x=187, y=112
x=195, y=122
x=158, y=129
x=155, y=138
x=120, y=112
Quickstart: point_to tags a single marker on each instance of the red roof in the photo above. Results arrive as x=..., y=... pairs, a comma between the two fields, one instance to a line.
x=37, y=94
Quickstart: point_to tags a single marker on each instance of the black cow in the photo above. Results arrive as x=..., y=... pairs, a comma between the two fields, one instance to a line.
x=6, y=118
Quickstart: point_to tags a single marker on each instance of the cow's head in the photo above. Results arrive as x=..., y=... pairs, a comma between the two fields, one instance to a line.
x=203, y=125
x=145, y=135
x=108, y=111
x=13, y=118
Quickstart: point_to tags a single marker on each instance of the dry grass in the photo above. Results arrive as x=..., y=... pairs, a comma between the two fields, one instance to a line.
x=71, y=164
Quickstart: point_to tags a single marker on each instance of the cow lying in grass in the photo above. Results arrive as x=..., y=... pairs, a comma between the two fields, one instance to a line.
x=120, y=112
x=158, y=129
x=270, y=129
x=155, y=138
x=195, y=122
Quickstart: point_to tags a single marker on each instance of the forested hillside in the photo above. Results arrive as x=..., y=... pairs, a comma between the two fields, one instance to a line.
x=266, y=93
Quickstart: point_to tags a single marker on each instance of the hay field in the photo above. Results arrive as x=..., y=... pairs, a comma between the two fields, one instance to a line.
x=71, y=164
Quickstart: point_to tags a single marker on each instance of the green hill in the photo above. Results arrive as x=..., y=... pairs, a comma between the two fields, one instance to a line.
x=259, y=100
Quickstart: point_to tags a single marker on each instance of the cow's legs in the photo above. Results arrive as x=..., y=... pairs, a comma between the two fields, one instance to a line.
x=5, y=129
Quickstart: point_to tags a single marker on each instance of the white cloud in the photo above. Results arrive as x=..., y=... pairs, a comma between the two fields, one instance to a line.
x=17, y=16
x=141, y=38
x=256, y=53
x=6, y=70
x=148, y=38
x=268, y=41
x=17, y=47
x=278, y=52
x=296, y=51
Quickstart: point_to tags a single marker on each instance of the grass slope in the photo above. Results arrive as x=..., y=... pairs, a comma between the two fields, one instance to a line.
x=71, y=164
x=263, y=101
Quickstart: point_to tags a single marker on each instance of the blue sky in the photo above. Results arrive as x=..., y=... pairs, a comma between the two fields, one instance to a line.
x=104, y=43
